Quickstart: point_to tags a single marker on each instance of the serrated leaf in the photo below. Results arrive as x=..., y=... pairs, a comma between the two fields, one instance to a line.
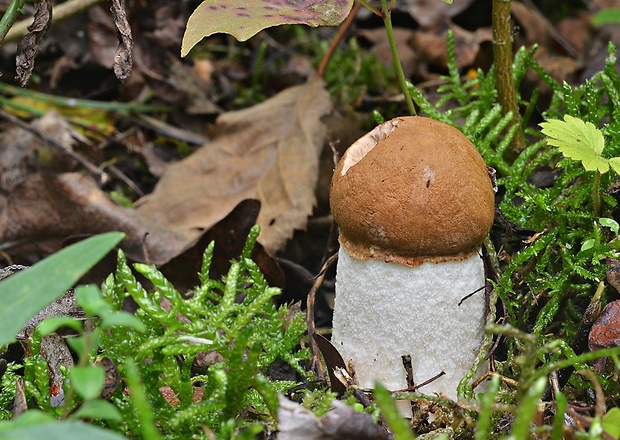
x=243, y=19
x=577, y=140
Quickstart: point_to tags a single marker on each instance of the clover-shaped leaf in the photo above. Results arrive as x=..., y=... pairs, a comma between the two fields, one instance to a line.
x=580, y=141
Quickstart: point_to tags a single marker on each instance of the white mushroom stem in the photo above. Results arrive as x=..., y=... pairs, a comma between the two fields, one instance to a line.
x=385, y=310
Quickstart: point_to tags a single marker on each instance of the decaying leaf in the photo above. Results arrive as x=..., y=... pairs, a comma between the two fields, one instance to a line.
x=58, y=357
x=268, y=152
x=20, y=404
x=341, y=422
x=29, y=47
x=229, y=235
x=429, y=13
x=122, y=58
x=243, y=19
x=70, y=204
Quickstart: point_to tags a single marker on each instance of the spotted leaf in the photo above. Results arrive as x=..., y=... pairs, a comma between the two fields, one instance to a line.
x=243, y=19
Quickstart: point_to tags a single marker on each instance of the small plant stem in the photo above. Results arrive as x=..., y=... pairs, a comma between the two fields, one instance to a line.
x=370, y=7
x=398, y=67
x=60, y=12
x=502, y=54
x=60, y=101
x=338, y=38
x=596, y=193
x=84, y=360
x=9, y=17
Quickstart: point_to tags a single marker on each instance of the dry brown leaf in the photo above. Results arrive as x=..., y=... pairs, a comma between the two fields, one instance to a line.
x=536, y=27
x=429, y=13
x=70, y=204
x=341, y=422
x=431, y=46
x=381, y=45
x=269, y=151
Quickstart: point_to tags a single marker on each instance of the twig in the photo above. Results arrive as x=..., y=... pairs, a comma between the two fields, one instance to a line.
x=344, y=27
x=54, y=144
x=315, y=359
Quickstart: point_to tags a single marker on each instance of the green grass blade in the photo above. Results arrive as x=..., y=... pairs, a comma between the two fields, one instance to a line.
x=526, y=411
x=396, y=422
x=29, y=291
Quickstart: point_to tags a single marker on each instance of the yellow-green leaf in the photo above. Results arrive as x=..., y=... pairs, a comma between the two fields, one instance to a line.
x=615, y=164
x=577, y=140
x=243, y=19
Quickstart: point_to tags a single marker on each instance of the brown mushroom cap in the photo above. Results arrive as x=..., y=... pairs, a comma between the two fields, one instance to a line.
x=412, y=190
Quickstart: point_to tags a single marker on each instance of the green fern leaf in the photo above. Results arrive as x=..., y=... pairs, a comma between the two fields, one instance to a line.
x=577, y=140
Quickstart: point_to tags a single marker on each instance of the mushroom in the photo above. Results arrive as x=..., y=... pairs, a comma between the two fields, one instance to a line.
x=414, y=201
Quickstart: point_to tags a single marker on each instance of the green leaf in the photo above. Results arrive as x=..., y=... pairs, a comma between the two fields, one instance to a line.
x=98, y=409
x=610, y=223
x=59, y=431
x=526, y=410
x=51, y=324
x=588, y=244
x=122, y=319
x=577, y=140
x=29, y=291
x=27, y=419
x=90, y=300
x=611, y=422
x=86, y=341
x=615, y=164
x=87, y=381
x=606, y=16
x=243, y=19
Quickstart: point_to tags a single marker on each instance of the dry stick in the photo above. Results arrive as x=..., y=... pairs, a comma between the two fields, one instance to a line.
x=54, y=144
x=59, y=13
x=101, y=175
x=502, y=54
x=338, y=38
x=315, y=363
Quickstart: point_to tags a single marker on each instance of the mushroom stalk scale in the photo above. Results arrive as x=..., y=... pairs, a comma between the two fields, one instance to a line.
x=414, y=201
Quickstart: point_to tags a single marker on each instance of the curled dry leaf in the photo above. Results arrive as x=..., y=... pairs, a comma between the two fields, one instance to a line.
x=122, y=59
x=268, y=152
x=30, y=45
